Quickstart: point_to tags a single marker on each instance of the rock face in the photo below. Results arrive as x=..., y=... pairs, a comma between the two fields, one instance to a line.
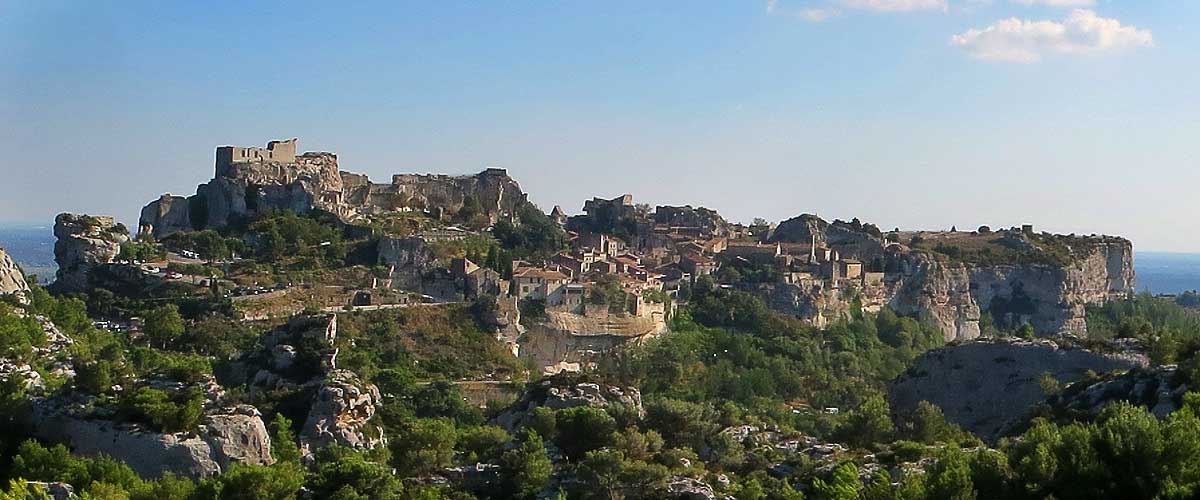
x=565, y=341
x=233, y=435
x=83, y=243
x=1051, y=298
x=12, y=281
x=1048, y=289
x=409, y=259
x=558, y=394
x=985, y=386
x=312, y=181
x=340, y=413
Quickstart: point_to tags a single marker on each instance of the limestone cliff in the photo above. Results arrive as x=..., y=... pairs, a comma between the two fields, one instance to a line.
x=1051, y=297
x=83, y=243
x=987, y=386
x=313, y=181
x=408, y=259
x=566, y=341
x=12, y=281
x=953, y=278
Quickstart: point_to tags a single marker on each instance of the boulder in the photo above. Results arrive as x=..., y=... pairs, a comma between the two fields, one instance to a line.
x=226, y=436
x=686, y=488
x=342, y=407
x=54, y=491
x=557, y=394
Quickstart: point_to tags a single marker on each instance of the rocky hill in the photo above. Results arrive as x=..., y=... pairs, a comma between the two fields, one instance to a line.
x=313, y=181
x=987, y=386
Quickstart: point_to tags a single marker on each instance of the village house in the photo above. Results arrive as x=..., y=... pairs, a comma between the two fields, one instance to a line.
x=698, y=265
x=477, y=281
x=538, y=283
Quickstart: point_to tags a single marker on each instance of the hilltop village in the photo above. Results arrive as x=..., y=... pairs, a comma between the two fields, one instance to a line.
x=296, y=325
x=618, y=270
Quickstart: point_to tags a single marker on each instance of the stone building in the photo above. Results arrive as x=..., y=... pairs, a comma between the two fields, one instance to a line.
x=276, y=151
x=540, y=284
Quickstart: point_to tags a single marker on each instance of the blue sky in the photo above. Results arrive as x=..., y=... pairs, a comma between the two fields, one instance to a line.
x=1079, y=117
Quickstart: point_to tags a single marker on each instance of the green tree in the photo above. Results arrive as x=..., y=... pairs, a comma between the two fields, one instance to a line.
x=527, y=468
x=343, y=473
x=249, y=482
x=163, y=324
x=582, y=429
x=928, y=425
x=682, y=423
x=424, y=445
x=844, y=485
x=868, y=424
x=950, y=477
x=283, y=441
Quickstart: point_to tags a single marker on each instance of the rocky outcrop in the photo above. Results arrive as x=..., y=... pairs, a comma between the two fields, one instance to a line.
x=53, y=491
x=708, y=221
x=313, y=181
x=165, y=216
x=1046, y=281
x=83, y=243
x=409, y=260
x=1159, y=389
x=302, y=357
x=340, y=414
x=985, y=386
x=863, y=241
x=558, y=394
x=12, y=280
x=1052, y=298
x=687, y=488
x=492, y=191
x=228, y=436
x=566, y=341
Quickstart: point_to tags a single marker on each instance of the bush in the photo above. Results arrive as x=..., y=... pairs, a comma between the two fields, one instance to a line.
x=582, y=429
x=178, y=412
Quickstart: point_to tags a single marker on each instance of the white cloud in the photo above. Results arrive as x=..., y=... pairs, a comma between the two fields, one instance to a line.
x=772, y=5
x=816, y=15
x=894, y=5
x=1025, y=41
x=1058, y=3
